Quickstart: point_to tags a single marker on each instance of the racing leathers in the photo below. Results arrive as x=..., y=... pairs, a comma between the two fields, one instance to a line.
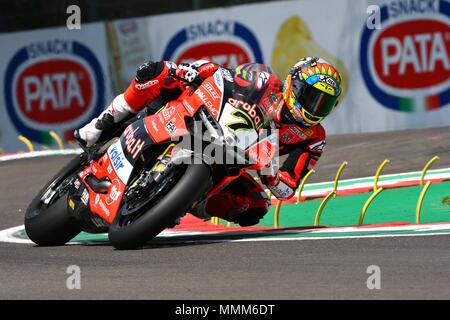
x=242, y=201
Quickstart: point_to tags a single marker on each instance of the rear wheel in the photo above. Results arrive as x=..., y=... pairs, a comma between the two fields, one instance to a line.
x=192, y=183
x=47, y=222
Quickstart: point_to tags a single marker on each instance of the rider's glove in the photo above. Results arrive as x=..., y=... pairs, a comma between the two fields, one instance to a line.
x=280, y=184
x=269, y=180
x=188, y=72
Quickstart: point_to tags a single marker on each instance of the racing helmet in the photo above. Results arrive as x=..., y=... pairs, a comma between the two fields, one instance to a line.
x=311, y=90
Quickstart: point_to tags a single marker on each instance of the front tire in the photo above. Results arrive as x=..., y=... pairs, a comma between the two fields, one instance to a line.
x=51, y=225
x=175, y=203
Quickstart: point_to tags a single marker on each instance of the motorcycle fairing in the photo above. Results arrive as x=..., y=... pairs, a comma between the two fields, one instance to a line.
x=116, y=166
x=106, y=204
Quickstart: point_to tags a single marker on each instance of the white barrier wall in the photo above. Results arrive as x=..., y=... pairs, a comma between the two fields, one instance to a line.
x=396, y=77
x=51, y=79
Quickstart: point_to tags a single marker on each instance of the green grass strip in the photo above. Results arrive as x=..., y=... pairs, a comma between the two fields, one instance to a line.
x=392, y=205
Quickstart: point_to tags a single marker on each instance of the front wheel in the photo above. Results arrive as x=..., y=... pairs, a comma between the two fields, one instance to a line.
x=47, y=222
x=190, y=186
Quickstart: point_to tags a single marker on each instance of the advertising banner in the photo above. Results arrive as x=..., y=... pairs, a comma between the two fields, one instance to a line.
x=130, y=46
x=393, y=56
x=51, y=79
x=396, y=74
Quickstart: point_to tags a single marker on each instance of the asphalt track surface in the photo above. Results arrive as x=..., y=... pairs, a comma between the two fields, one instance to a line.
x=411, y=267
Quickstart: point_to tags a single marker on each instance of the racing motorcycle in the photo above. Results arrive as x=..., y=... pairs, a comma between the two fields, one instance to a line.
x=141, y=179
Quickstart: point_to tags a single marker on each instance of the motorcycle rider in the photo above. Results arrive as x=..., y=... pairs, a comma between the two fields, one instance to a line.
x=309, y=93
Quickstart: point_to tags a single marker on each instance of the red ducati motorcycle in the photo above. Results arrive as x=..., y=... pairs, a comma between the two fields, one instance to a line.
x=137, y=183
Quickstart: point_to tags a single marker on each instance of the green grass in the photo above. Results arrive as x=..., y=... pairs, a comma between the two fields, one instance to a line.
x=393, y=205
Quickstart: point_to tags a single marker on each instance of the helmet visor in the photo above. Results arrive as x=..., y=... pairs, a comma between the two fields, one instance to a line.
x=315, y=101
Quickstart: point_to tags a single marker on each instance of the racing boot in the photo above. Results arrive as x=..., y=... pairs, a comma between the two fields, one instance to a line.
x=114, y=114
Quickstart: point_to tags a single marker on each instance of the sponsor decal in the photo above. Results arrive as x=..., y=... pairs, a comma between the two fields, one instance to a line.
x=281, y=190
x=97, y=199
x=115, y=192
x=250, y=109
x=167, y=113
x=270, y=102
x=213, y=40
x=212, y=92
x=104, y=208
x=84, y=172
x=406, y=63
x=302, y=131
x=286, y=137
x=132, y=144
x=154, y=125
x=218, y=79
x=170, y=127
x=328, y=80
x=54, y=84
x=119, y=162
x=71, y=204
x=297, y=132
x=77, y=184
x=318, y=147
x=85, y=197
x=145, y=85
x=202, y=95
x=117, y=158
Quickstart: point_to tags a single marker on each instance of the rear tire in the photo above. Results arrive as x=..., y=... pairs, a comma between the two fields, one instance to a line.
x=175, y=203
x=52, y=226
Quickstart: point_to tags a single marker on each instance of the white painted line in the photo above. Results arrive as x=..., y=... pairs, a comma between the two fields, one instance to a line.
x=438, y=228
x=7, y=235
x=340, y=237
x=37, y=154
